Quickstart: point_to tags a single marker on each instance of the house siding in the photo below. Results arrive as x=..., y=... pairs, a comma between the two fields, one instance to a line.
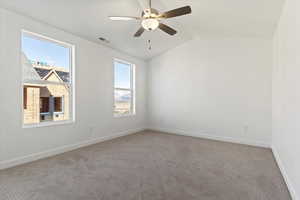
x=32, y=111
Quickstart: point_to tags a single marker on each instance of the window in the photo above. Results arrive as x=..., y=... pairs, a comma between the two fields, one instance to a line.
x=24, y=97
x=44, y=105
x=47, y=80
x=124, y=88
x=58, y=103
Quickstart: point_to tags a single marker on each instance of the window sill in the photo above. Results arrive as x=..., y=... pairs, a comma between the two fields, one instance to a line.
x=124, y=115
x=58, y=113
x=46, y=124
x=46, y=113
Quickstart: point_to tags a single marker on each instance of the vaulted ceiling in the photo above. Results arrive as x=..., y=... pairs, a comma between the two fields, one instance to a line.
x=88, y=19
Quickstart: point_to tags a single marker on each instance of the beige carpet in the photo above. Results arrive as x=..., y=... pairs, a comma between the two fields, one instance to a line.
x=150, y=166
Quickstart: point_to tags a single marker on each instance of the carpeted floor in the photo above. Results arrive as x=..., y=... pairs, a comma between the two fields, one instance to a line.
x=150, y=166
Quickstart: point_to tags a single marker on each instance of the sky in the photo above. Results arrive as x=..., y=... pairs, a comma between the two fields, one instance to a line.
x=44, y=51
x=122, y=75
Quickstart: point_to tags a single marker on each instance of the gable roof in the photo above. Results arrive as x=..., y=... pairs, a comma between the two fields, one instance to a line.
x=42, y=72
x=64, y=76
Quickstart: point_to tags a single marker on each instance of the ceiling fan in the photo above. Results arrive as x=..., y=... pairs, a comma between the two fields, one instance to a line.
x=151, y=19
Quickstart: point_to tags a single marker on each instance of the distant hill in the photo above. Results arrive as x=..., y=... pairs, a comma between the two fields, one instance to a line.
x=122, y=97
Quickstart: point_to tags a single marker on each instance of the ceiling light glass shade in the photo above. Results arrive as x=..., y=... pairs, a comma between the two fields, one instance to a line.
x=150, y=24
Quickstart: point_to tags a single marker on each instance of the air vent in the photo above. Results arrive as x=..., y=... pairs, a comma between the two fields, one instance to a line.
x=103, y=39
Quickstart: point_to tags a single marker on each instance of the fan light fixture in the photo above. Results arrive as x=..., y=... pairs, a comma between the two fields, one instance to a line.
x=150, y=24
x=151, y=19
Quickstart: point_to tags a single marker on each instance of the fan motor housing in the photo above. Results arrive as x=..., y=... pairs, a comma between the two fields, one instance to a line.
x=150, y=13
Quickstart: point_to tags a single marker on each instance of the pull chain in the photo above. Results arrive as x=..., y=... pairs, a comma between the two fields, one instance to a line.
x=149, y=43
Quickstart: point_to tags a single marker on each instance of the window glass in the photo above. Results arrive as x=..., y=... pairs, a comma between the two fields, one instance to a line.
x=44, y=104
x=58, y=104
x=24, y=97
x=122, y=75
x=124, y=90
x=122, y=101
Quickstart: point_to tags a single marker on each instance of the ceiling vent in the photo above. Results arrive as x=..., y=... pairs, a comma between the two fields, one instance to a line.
x=102, y=39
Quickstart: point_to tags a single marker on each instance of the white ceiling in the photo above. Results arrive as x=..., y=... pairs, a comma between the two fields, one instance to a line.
x=88, y=19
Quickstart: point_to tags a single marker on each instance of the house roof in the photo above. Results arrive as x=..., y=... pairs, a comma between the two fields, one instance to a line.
x=64, y=76
x=42, y=72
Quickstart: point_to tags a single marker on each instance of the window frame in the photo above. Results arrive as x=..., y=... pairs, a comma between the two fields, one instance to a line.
x=71, y=84
x=132, y=88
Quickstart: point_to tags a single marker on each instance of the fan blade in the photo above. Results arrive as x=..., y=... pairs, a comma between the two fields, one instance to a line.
x=177, y=12
x=167, y=29
x=139, y=32
x=122, y=18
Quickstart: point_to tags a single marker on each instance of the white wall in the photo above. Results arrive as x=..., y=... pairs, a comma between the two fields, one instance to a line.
x=286, y=95
x=213, y=87
x=1, y=86
x=94, y=93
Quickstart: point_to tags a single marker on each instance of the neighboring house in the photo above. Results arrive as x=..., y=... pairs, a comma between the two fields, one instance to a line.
x=46, y=93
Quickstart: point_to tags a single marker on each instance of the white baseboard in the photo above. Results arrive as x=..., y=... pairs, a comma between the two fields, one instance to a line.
x=33, y=157
x=212, y=137
x=284, y=174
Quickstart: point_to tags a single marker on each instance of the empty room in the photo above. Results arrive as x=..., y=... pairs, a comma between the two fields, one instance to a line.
x=149, y=100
